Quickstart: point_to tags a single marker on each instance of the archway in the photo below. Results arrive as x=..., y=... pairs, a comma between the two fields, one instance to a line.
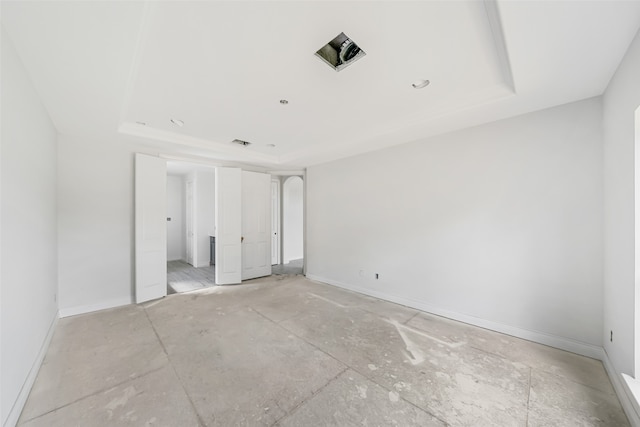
x=293, y=220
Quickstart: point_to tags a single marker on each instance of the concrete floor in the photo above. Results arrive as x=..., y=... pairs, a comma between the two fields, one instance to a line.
x=286, y=351
x=293, y=267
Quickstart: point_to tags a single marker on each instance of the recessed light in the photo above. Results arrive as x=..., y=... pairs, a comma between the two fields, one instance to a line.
x=419, y=84
x=284, y=102
x=177, y=122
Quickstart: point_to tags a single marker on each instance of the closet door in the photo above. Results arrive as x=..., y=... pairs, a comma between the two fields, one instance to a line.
x=228, y=211
x=256, y=225
x=150, y=227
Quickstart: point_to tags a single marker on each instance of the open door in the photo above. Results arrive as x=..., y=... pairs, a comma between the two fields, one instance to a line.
x=189, y=223
x=151, y=227
x=256, y=225
x=275, y=222
x=228, y=211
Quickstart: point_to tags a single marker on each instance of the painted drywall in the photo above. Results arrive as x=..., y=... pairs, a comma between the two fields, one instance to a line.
x=205, y=214
x=176, y=238
x=95, y=200
x=292, y=218
x=95, y=222
x=29, y=271
x=620, y=101
x=95, y=208
x=501, y=223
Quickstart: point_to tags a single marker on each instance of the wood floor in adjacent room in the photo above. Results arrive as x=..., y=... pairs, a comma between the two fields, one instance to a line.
x=286, y=351
x=182, y=277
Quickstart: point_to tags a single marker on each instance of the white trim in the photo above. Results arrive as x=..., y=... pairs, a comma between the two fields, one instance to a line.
x=495, y=23
x=18, y=405
x=82, y=309
x=296, y=172
x=623, y=384
x=562, y=343
x=278, y=220
x=211, y=162
x=224, y=150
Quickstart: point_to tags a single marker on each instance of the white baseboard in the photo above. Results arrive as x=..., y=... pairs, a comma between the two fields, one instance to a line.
x=562, y=343
x=626, y=396
x=74, y=311
x=18, y=405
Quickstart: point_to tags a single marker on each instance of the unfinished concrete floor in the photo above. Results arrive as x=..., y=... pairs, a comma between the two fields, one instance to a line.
x=290, y=352
x=293, y=267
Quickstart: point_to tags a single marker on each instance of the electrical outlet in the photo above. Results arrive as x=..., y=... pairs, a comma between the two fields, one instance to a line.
x=611, y=336
x=361, y=273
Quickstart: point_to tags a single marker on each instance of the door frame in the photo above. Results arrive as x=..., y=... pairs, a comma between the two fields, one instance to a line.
x=189, y=207
x=277, y=175
x=302, y=231
x=275, y=220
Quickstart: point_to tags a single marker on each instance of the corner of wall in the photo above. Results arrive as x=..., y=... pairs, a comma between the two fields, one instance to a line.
x=15, y=411
x=104, y=305
x=620, y=384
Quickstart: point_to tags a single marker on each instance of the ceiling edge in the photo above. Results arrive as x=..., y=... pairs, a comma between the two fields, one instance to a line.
x=236, y=152
x=495, y=23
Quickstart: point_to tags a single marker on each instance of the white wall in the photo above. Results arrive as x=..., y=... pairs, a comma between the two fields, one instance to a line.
x=28, y=262
x=176, y=238
x=292, y=219
x=620, y=101
x=96, y=232
x=500, y=225
x=205, y=214
x=95, y=208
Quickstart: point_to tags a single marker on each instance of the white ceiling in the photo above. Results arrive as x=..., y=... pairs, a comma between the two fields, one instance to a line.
x=222, y=67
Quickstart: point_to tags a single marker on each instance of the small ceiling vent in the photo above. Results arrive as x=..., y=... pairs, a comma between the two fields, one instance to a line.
x=241, y=142
x=340, y=52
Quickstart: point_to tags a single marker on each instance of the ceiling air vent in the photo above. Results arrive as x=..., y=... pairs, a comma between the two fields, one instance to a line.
x=340, y=52
x=240, y=142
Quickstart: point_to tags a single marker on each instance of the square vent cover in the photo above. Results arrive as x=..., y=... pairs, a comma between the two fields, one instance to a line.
x=340, y=52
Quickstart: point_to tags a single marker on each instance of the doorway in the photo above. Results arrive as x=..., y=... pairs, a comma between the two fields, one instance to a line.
x=190, y=227
x=190, y=210
x=292, y=227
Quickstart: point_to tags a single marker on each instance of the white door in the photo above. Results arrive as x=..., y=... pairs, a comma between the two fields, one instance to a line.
x=275, y=222
x=228, y=211
x=151, y=228
x=256, y=225
x=189, y=222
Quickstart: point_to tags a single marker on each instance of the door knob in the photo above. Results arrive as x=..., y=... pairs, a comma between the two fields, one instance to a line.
x=241, y=239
